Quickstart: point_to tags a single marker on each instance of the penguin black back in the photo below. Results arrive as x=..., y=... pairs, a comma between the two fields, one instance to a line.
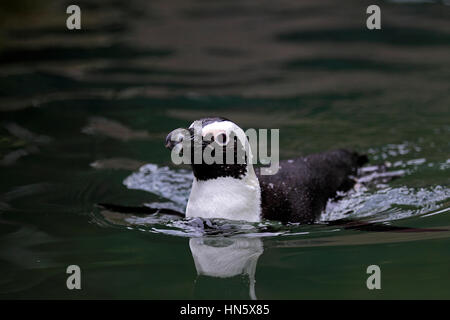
x=302, y=187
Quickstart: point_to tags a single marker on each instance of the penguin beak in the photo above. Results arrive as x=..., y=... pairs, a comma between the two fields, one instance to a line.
x=171, y=141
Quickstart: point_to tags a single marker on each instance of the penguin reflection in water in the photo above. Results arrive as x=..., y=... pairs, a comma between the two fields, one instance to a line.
x=225, y=262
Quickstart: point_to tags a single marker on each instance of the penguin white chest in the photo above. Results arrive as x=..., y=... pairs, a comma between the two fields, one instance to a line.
x=225, y=198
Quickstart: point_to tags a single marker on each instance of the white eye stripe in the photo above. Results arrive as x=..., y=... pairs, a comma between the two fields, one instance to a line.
x=229, y=128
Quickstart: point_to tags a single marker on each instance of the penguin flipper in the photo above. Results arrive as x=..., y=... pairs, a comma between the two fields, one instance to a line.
x=141, y=210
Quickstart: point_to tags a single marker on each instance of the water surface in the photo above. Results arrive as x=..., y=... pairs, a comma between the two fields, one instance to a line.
x=84, y=116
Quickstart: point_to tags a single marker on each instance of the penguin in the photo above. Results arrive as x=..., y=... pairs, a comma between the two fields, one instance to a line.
x=297, y=193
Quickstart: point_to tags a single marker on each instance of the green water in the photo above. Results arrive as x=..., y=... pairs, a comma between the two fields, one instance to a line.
x=82, y=111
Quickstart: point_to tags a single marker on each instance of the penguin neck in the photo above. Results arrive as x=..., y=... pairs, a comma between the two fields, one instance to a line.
x=226, y=197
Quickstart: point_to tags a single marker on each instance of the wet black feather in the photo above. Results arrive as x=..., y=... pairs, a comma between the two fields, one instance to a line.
x=302, y=187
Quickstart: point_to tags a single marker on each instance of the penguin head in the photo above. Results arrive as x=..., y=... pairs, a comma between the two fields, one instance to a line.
x=217, y=146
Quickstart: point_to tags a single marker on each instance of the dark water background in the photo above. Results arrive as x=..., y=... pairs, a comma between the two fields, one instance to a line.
x=82, y=111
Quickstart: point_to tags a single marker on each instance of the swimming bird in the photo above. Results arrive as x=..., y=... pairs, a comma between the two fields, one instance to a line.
x=298, y=192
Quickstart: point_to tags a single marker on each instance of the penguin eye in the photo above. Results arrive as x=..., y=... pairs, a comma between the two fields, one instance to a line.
x=221, y=139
